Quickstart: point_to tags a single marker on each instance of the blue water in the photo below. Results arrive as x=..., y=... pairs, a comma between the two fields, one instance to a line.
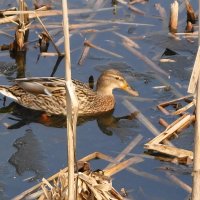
x=44, y=146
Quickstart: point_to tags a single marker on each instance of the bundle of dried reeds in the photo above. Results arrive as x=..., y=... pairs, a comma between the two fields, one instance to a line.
x=90, y=185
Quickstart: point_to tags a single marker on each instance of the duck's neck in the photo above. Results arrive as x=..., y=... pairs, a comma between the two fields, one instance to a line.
x=104, y=87
x=104, y=91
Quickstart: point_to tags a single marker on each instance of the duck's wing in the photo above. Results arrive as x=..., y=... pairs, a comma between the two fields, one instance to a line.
x=52, y=85
x=41, y=85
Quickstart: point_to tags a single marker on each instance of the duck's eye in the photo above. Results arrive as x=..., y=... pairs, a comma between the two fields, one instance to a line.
x=117, y=78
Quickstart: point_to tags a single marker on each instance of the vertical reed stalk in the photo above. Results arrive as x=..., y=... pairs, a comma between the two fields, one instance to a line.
x=70, y=100
x=196, y=165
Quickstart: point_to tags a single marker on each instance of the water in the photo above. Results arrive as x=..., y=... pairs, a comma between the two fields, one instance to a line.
x=31, y=148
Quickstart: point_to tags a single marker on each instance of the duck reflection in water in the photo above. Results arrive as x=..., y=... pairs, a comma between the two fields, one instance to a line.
x=106, y=122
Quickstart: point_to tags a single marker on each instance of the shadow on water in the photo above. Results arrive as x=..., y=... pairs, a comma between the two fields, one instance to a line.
x=26, y=116
x=27, y=158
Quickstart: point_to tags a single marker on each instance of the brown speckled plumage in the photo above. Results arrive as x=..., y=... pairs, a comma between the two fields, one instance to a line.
x=48, y=94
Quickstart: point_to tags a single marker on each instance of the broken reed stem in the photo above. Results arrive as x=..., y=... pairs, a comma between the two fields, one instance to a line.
x=88, y=43
x=179, y=130
x=190, y=12
x=173, y=22
x=126, y=39
x=183, y=109
x=163, y=110
x=118, y=167
x=86, y=50
x=46, y=31
x=168, y=132
x=167, y=103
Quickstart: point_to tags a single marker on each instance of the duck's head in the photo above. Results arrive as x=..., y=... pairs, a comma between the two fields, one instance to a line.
x=111, y=79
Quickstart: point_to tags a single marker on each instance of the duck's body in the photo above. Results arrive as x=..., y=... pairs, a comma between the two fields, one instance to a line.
x=49, y=94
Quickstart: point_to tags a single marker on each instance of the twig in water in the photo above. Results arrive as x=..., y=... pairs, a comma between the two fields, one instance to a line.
x=46, y=31
x=88, y=43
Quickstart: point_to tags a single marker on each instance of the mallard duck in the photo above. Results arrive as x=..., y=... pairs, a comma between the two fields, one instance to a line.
x=48, y=93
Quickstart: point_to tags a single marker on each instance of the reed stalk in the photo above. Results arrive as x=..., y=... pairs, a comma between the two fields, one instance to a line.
x=71, y=103
x=196, y=165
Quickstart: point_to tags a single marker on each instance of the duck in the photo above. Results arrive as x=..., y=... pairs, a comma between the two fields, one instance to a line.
x=49, y=93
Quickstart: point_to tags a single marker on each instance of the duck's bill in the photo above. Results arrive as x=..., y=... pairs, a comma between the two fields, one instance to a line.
x=131, y=91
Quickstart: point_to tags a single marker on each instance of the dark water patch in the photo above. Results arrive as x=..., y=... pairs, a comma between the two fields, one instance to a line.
x=28, y=158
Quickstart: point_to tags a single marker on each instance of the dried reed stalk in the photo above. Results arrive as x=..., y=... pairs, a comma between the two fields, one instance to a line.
x=136, y=10
x=121, y=22
x=91, y=185
x=137, y=1
x=190, y=12
x=180, y=129
x=72, y=106
x=39, y=13
x=85, y=50
x=163, y=110
x=120, y=166
x=195, y=73
x=178, y=153
x=163, y=122
x=166, y=134
x=59, y=182
x=196, y=166
x=161, y=11
x=88, y=43
x=173, y=22
x=127, y=40
x=167, y=103
x=50, y=54
x=49, y=35
x=183, y=109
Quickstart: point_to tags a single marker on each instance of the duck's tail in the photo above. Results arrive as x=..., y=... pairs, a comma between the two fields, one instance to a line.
x=4, y=90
